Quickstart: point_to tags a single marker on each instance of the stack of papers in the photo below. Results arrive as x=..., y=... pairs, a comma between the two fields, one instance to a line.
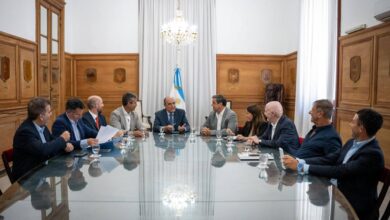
x=248, y=156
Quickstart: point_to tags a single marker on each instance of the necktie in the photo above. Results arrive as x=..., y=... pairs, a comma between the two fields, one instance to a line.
x=171, y=121
x=97, y=122
x=43, y=139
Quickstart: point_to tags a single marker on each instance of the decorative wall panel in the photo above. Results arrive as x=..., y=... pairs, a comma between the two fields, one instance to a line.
x=242, y=79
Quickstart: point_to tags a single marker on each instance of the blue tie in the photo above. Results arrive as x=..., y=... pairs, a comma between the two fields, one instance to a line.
x=171, y=120
x=43, y=139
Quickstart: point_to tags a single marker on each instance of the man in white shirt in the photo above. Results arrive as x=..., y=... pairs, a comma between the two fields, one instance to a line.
x=125, y=118
x=220, y=119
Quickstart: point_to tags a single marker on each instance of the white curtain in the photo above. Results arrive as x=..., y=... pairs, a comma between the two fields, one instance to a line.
x=316, y=58
x=158, y=58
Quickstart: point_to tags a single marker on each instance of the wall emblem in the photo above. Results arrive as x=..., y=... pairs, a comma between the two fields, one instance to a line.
x=5, y=69
x=355, y=68
x=266, y=76
x=233, y=75
x=27, y=70
x=91, y=75
x=119, y=75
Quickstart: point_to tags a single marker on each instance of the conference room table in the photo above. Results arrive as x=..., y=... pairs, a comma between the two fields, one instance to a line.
x=179, y=176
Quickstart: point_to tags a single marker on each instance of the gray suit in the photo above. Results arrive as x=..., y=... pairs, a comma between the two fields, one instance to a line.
x=118, y=119
x=229, y=120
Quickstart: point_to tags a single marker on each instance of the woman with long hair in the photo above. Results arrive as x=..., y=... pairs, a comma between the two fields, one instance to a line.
x=255, y=124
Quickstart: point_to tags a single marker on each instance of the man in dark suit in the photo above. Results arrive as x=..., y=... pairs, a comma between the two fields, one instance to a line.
x=94, y=118
x=33, y=144
x=80, y=135
x=171, y=119
x=220, y=119
x=323, y=138
x=281, y=131
x=356, y=167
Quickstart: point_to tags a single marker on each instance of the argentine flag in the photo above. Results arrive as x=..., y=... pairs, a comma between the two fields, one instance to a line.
x=177, y=90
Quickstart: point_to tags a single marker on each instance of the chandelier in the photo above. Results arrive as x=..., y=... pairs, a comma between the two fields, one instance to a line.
x=178, y=32
x=178, y=197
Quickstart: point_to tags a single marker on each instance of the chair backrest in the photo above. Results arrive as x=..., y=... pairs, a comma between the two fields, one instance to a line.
x=144, y=118
x=229, y=104
x=138, y=109
x=385, y=179
x=8, y=157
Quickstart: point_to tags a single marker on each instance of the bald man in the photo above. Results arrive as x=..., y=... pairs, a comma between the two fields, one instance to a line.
x=281, y=131
x=171, y=119
x=93, y=118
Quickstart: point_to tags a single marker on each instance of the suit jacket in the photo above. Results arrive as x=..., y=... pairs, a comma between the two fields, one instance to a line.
x=62, y=123
x=29, y=151
x=358, y=178
x=161, y=119
x=118, y=120
x=285, y=136
x=320, y=141
x=246, y=130
x=90, y=122
x=229, y=120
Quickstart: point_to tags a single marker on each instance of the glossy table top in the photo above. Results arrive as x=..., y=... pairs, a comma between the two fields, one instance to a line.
x=171, y=177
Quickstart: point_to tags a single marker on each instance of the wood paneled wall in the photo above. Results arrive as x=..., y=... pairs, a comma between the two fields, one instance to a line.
x=18, y=84
x=106, y=75
x=364, y=80
x=249, y=86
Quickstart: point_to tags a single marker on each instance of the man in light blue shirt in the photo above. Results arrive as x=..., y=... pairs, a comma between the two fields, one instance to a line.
x=355, y=168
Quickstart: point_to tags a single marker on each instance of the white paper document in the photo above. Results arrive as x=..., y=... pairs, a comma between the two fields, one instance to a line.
x=106, y=133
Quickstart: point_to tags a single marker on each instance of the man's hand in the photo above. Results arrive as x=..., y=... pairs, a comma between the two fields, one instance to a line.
x=206, y=131
x=119, y=134
x=253, y=140
x=229, y=132
x=182, y=128
x=69, y=147
x=138, y=133
x=290, y=162
x=169, y=129
x=65, y=135
x=92, y=141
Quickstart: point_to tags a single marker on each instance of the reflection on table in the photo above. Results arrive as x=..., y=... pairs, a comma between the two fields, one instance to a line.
x=171, y=176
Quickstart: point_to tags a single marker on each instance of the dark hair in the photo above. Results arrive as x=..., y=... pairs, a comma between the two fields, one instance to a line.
x=324, y=106
x=371, y=120
x=36, y=106
x=42, y=197
x=258, y=116
x=220, y=99
x=218, y=160
x=74, y=103
x=127, y=97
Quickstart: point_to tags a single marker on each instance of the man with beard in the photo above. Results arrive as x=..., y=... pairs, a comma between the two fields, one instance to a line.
x=94, y=118
x=355, y=168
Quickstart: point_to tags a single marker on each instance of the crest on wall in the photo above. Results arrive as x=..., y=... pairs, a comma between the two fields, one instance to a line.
x=355, y=68
x=119, y=75
x=266, y=76
x=90, y=75
x=27, y=70
x=5, y=69
x=233, y=75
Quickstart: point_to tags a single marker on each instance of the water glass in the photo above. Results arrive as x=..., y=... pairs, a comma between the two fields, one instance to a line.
x=219, y=135
x=95, y=151
x=161, y=131
x=124, y=142
x=263, y=160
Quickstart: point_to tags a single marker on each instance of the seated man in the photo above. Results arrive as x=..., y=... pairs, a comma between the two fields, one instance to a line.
x=125, y=118
x=281, y=131
x=94, y=118
x=322, y=139
x=80, y=135
x=33, y=144
x=221, y=118
x=170, y=118
x=356, y=167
